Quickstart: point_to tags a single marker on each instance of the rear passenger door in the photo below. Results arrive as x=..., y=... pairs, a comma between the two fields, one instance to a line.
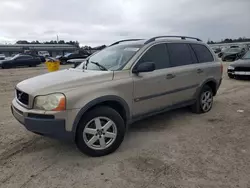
x=183, y=72
x=206, y=68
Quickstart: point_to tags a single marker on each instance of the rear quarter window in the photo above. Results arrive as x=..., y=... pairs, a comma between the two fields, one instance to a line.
x=202, y=53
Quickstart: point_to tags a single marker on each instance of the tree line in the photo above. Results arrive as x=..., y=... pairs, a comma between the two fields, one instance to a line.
x=228, y=40
x=74, y=43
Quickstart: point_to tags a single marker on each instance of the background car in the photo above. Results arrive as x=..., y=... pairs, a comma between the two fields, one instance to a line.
x=76, y=62
x=2, y=56
x=44, y=53
x=20, y=61
x=216, y=50
x=232, y=54
x=80, y=54
x=223, y=49
x=240, y=68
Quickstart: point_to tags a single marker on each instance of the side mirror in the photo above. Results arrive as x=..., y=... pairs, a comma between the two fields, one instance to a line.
x=144, y=67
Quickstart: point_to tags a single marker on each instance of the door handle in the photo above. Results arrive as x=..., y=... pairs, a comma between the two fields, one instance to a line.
x=170, y=76
x=199, y=71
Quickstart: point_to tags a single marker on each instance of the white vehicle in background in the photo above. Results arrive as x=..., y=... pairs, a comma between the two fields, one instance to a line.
x=76, y=62
x=44, y=53
x=2, y=57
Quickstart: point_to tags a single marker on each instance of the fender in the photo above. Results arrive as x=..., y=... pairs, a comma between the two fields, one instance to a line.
x=204, y=83
x=96, y=102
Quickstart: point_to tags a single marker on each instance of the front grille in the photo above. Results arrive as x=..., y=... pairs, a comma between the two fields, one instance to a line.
x=22, y=97
x=242, y=69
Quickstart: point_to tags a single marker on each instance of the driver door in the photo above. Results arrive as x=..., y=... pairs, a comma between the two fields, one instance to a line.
x=151, y=88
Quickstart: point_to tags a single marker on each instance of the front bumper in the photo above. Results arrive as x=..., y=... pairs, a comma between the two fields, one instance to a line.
x=40, y=123
x=238, y=73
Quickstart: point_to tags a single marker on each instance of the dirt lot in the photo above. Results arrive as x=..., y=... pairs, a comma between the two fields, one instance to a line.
x=175, y=149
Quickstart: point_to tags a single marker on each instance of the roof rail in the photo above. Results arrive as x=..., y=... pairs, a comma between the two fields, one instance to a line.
x=182, y=37
x=124, y=41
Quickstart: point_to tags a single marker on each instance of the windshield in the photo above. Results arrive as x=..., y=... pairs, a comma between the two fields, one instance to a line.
x=112, y=58
x=233, y=50
x=67, y=55
x=15, y=57
x=246, y=56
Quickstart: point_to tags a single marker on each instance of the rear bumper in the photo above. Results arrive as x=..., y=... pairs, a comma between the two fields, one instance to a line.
x=41, y=124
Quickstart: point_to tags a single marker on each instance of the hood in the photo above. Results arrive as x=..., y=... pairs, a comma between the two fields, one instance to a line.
x=230, y=53
x=6, y=61
x=64, y=80
x=241, y=62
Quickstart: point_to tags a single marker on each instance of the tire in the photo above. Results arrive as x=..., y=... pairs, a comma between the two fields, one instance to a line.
x=4, y=66
x=63, y=62
x=198, y=107
x=111, y=138
x=230, y=76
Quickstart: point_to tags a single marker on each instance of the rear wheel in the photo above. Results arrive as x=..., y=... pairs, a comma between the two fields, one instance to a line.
x=32, y=65
x=204, y=101
x=100, y=132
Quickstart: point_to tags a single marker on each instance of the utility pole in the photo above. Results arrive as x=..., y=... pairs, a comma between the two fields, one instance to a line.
x=57, y=38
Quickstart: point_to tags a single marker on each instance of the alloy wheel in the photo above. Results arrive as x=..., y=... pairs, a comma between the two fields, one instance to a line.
x=206, y=101
x=100, y=133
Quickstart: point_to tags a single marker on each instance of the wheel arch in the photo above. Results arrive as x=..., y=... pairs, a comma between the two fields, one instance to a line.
x=112, y=101
x=211, y=82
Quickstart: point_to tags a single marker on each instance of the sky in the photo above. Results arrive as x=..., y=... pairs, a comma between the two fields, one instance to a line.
x=97, y=22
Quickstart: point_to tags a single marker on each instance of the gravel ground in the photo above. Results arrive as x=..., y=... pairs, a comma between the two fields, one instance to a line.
x=174, y=149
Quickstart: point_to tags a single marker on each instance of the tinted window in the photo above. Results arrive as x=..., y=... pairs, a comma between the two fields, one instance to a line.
x=157, y=54
x=202, y=53
x=180, y=54
x=24, y=57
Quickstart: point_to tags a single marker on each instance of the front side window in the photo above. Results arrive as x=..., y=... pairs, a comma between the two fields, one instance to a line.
x=202, y=53
x=180, y=54
x=157, y=54
x=112, y=58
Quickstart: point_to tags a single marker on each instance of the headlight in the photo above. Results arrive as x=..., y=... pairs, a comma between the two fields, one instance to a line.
x=52, y=102
x=230, y=68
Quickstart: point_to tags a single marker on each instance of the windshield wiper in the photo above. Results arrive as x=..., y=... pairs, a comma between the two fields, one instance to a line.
x=99, y=65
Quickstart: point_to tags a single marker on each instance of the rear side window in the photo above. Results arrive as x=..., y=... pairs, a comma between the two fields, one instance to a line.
x=180, y=54
x=202, y=53
x=157, y=54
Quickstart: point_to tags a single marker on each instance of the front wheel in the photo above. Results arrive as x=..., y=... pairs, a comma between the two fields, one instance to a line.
x=204, y=102
x=230, y=76
x=100, y=132
x=63, y=62
x=4, y=66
